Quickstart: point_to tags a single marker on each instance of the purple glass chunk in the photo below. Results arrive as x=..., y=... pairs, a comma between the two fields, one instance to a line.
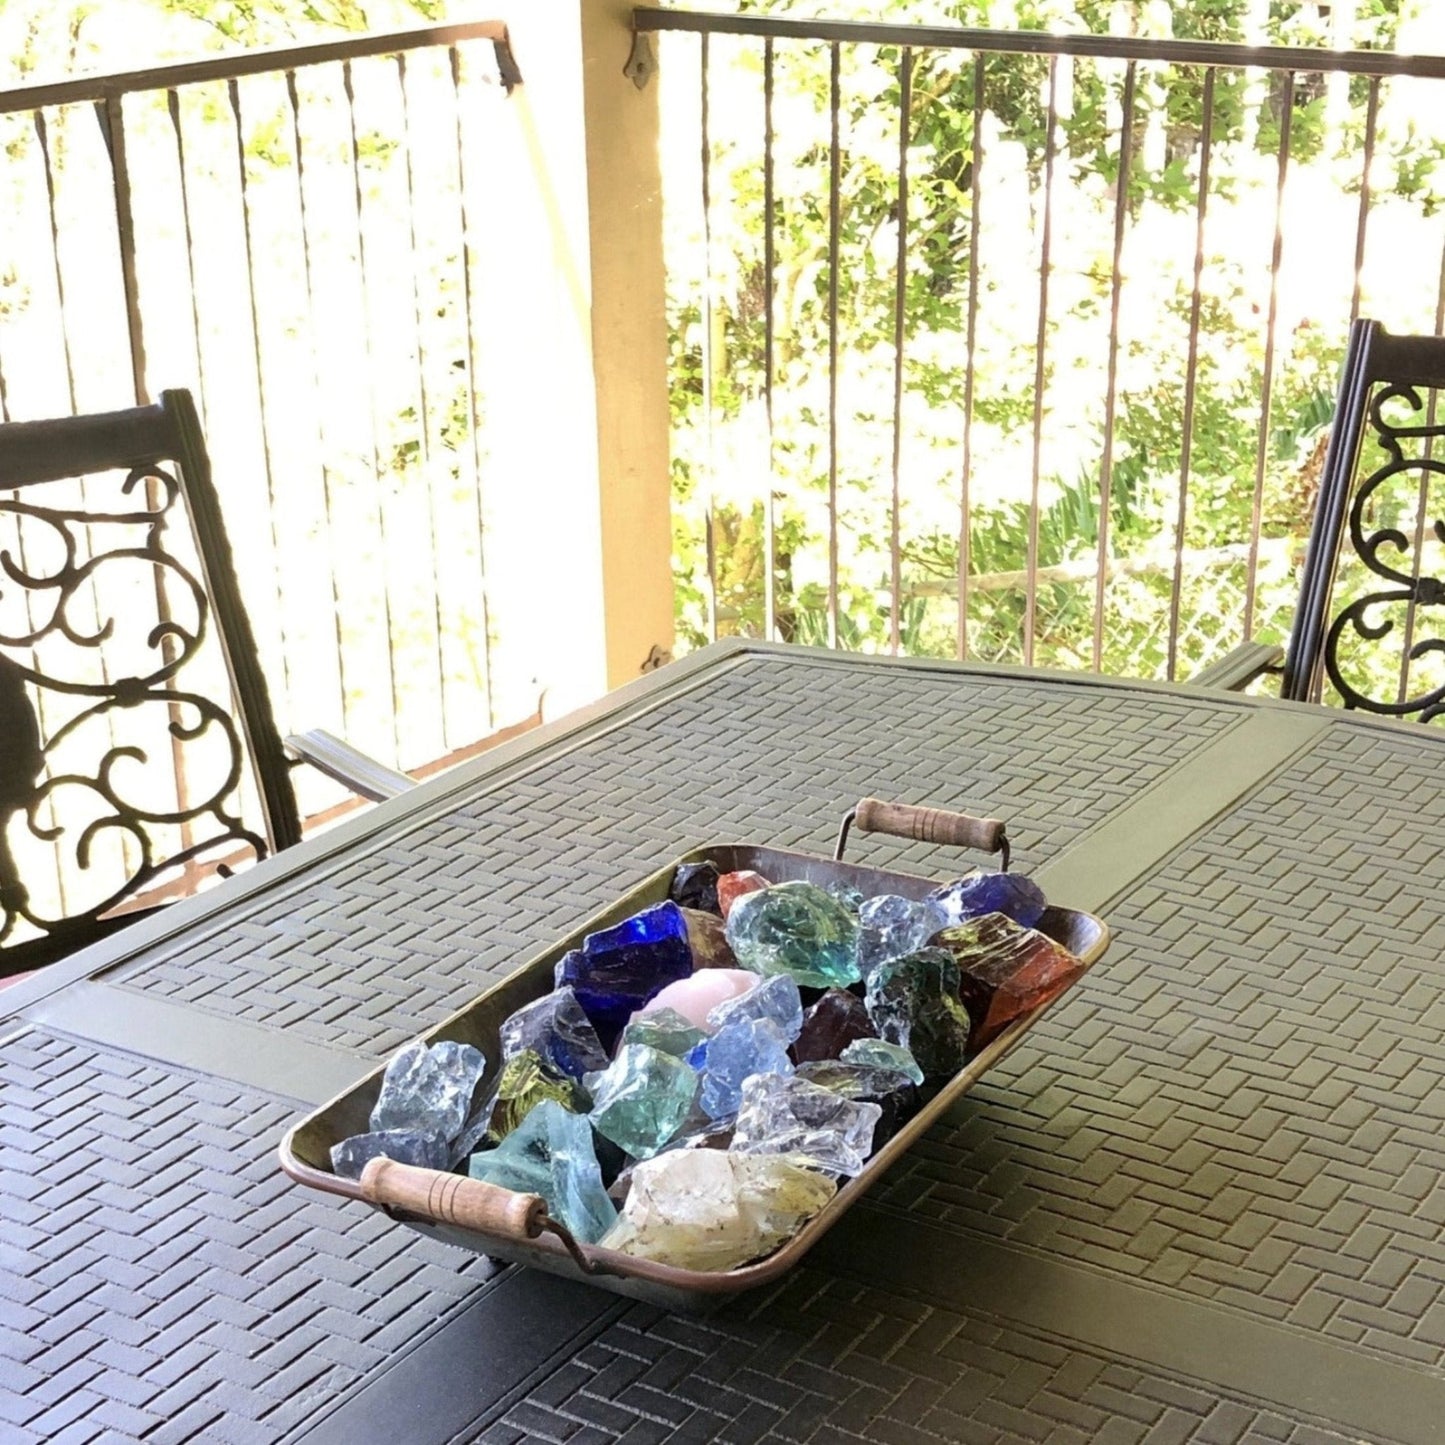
x=619, y=968
x=555, y=1027
x=1012, y=894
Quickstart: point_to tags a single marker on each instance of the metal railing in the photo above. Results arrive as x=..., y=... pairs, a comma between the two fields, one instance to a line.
x=298, y=235
x=1023, y=345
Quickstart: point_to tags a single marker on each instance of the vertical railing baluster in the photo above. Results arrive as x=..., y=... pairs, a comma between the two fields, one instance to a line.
x=970, y=371
x=1111, y=390
x=1372, y=112
x=293, y=100
x=1267, y=381
x=834, y=182
x=173, y=110
x=770, y=533
x=709, y=381
x=1040, y=373
x=473, y=410
x=348, y=85
x=1191, y=371
x=425, y=419
x=233, y=98
x=900, y=299
x=42, y=136
x=111, y=114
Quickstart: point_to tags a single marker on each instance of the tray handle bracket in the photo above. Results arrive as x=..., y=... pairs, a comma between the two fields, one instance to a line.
x=927, y=825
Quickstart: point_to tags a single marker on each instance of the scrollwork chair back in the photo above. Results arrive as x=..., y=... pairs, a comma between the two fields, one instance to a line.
x=1369, y=618
x=138, y=749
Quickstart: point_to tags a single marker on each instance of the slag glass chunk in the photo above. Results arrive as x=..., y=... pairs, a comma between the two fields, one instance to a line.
x=551, y=1153
x=784, y=1114
x=799, y=929
x=1005, y=971
x=913, y=1001
x=642, y=1098
x=890, y=926
x=429, y=1088
x=735, y=1053
x=555, y=1027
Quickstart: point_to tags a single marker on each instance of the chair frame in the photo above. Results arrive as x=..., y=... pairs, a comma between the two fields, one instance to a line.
x=1378, y=368
x=163, y=443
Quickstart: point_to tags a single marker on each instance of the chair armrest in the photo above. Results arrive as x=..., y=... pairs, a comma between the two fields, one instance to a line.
x=348, y=765
x=1240, y=666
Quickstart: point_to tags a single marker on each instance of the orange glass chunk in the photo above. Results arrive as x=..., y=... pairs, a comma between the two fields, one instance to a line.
x=732, y=886
x=1005, y=971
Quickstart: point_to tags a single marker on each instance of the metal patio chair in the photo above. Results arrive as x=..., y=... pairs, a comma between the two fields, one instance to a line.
x=138, y=749
x=1364, y=621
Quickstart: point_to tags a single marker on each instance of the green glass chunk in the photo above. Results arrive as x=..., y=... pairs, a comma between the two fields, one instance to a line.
x=798, y=929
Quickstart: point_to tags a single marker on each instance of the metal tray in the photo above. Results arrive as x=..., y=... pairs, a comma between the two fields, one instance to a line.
x=515, y=1227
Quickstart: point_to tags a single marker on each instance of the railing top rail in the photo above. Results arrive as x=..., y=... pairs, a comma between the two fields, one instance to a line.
x=1297, y=58
x=92, y=88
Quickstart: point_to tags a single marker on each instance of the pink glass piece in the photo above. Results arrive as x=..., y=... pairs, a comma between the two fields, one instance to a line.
x=695, y=997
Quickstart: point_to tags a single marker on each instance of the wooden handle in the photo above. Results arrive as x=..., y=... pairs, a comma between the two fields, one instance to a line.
x=453, y=1199
x=930, y=825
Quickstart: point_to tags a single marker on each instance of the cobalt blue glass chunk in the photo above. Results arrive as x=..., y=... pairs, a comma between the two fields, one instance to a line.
x=619, y=968
x=1011, y=894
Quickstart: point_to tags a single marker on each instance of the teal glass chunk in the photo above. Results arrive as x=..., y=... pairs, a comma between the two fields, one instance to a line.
x=641, y=1099
x=551, y=1153
x=798, y=929
x=914, y=1001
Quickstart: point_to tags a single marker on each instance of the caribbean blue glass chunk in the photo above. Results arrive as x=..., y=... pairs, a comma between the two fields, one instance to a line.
x=550, y=1153
x=620, y=968
x=406, y=1146
x=775, y=998
x=735, y=1053
x=799, y=929
x=429, y=1088
x=880, y=1054
x=642, y=1098
x=694, y=885
x=890, y=926
x=665, y=1029
x=555, y=1027
x=914, y=1001
x=1012, y=894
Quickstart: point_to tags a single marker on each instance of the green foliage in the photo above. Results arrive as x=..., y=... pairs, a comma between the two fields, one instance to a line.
x=1175, y=515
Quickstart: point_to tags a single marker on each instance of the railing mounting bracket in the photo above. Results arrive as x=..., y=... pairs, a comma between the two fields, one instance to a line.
x=642, y=62
x=658, y=656
x=506, y=62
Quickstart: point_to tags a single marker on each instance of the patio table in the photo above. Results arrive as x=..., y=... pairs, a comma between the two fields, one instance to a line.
x=1202, y=1201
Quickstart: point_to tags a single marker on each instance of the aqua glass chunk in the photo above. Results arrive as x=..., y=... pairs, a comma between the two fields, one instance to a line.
x=406, y=1146
x=429, y=1088
x=621, y=967
x=784, y=1114
x=642, y=1098
x=983, y=892
x=550, y=1153
x=895, y=1094
x=524, y=1083
x=734, y=1053
x=880, y=1054
x=914, y=1001
x=890, y=926
x=555, y=1027
x=831, y=1024
x=775, y=998
x=663, y=1029
x=799, y=929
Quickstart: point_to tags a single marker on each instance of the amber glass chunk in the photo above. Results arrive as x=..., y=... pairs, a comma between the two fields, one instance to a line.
x=1005, y=971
